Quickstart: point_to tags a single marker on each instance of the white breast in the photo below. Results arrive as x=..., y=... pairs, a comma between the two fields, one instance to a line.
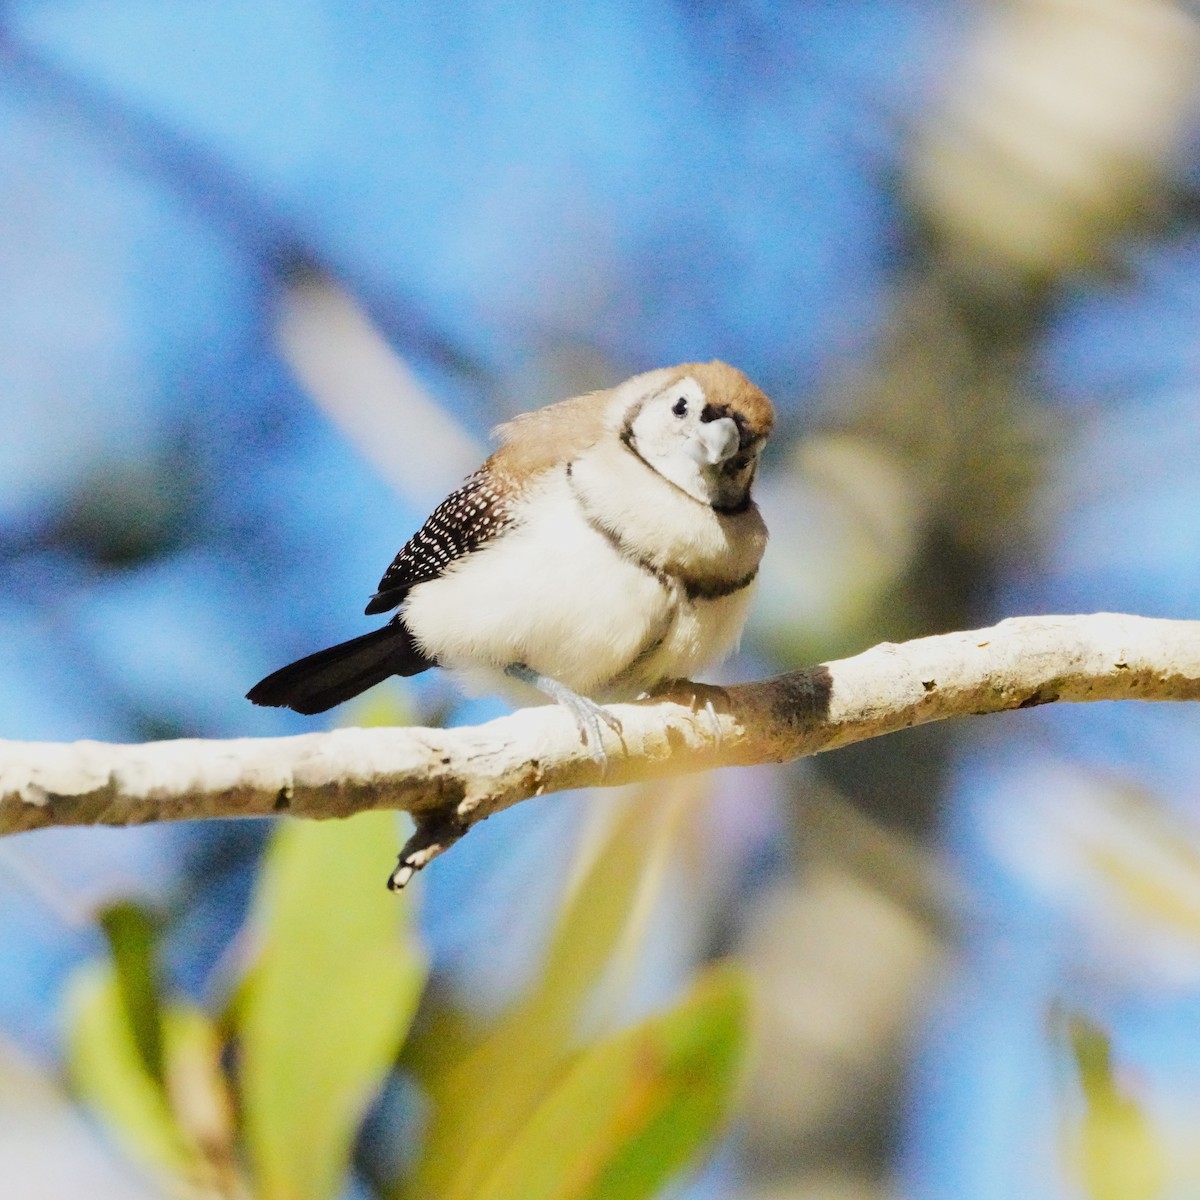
x=702, y=633
x=551, y=593
x=555, y=594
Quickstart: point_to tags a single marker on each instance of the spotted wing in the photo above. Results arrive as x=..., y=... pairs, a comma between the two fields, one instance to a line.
x=463, y=522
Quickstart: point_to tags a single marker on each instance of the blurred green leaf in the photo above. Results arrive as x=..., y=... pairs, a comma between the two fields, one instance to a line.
x=328, y=1003
x=1117, y=1152
x=151, y=1072
x=604, y=912
x=495, y=1082
x=636, y=1108
x=381, y=706
x=1147, y=858
x=109, y=1073
x=133, y=939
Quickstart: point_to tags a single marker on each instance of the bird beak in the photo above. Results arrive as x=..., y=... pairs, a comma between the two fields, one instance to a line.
x=715, y=441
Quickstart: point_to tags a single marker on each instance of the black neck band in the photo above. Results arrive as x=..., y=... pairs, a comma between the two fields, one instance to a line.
x=693, y=588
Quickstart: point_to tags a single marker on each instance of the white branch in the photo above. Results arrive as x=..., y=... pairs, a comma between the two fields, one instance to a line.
x=451, y=778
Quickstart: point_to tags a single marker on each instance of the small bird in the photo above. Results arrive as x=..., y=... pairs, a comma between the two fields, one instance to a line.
x=608, y=546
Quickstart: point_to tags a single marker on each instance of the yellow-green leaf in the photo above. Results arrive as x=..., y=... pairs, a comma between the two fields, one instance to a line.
x=109, y=1074
x=180, y=1126
x=1117, y=1152
x=328, y=1002
x=482, y=1101
x=132, y=934
x=605, y=912
x=636, y=1108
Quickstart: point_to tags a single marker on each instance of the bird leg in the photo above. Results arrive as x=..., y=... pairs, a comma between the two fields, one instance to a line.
x=587, y=713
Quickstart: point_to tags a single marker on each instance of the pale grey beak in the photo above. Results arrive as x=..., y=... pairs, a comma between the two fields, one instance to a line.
x=715, y=441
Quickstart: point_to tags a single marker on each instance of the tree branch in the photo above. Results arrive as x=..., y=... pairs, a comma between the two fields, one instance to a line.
x=449, y=779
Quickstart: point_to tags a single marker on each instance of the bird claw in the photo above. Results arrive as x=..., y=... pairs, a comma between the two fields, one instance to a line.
x=700, y=700
x=718, y=736
x=587, y=713
x=588, y=716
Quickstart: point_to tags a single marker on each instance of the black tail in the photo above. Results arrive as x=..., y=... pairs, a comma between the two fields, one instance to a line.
x=318, y=682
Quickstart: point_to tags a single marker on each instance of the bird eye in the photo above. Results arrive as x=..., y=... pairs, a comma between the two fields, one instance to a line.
x=679, y=408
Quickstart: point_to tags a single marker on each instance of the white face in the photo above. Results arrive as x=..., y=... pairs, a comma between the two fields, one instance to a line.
x=695, y=444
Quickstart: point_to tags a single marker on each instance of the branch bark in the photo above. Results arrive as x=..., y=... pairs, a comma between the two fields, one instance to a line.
x=449, y=779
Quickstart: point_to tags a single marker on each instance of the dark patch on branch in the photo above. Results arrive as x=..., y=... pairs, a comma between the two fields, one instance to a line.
x=802, y=697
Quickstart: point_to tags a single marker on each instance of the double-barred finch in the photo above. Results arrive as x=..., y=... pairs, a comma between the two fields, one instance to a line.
x=607, y=547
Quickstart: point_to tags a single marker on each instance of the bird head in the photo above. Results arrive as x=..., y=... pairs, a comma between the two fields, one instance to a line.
x=702, y=428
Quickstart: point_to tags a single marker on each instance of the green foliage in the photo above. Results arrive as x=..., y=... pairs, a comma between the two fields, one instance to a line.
x=328, y=1004
x=179, y=1124
x=109, y=1072
x=1115, y=1149
x=267, y=1106
x=151, y=1069
x=493, y=1089
x=319, y=1022
x=634, y=1109
x=132, y=935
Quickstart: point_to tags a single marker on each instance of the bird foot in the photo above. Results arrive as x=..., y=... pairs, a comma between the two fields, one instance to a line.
x=435, y=833
x=589, y=715
x=701, y=699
